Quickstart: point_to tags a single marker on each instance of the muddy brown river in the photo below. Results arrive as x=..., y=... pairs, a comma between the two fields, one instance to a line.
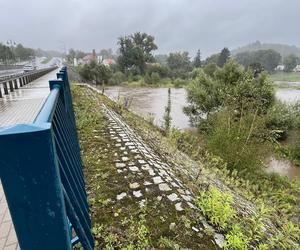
x=150, y=103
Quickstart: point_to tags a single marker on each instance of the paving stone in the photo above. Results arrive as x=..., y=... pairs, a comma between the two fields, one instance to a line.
x=134, y=169
x=157, y=180
x=147, y=183
x=124, y=158
x=219, y=239
x=178, y=206
x=141, y=161
x=172, y=226
x=134, y=185
x=137, y=194
x=120, y=165
x=173, y=197
x=164, y=187
x=186, y=197
x=191, y=205
x=121, y=196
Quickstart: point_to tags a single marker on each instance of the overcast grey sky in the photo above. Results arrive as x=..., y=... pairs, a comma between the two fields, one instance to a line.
x=177, y=25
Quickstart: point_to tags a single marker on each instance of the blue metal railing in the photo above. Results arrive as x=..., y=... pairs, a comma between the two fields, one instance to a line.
x=41, y=173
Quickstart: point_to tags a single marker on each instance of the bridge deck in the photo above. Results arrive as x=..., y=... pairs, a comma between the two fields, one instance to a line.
x=20, y=106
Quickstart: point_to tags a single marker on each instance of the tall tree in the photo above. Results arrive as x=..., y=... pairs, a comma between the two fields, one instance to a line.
x=135, y=51
x=268, y=59
x=6, y=54
x=290, y=62
x=179, y=63
x=224, y=56
x=106, y=53
x=23, y=53
x=197, y=60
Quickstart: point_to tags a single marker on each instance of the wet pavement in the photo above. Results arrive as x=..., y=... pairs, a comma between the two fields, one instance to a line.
x=20, y=106
x=23, y=105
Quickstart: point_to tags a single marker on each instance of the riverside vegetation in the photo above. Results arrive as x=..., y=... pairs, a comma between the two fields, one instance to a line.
x=253, y=209
x=239, y=125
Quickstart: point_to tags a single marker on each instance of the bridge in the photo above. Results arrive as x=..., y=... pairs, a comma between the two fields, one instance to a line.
x=43, y=203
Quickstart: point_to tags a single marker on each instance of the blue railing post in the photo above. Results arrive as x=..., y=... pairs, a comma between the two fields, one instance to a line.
x=31, y=182
x=41, y=173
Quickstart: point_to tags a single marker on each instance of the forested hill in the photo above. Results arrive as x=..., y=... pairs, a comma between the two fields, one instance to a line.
x=283, y=49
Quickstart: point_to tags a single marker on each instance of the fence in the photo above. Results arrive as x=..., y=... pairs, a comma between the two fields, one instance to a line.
x=41, y=174
x=12, y=82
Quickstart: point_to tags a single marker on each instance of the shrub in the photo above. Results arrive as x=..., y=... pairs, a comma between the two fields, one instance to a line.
x=117, y=78
x=232, y=86
x=161, y=70
x=95, y=72
x=239, y=141
x=155, y=78
x=217, y=207
x=280, y=119
x=178, y=82
x=236, y=240
x=195, y=73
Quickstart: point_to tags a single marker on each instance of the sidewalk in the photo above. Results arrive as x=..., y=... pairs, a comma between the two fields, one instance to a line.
x=20, y=106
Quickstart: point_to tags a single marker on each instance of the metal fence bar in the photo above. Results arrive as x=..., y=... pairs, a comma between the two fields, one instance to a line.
x=31, y=182
x=48, y=195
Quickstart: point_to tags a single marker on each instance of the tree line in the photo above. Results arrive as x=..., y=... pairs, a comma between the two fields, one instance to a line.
x=10, y=54
x=136, y=62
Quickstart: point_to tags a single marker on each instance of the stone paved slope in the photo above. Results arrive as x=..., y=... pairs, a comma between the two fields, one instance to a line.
x=146, y=179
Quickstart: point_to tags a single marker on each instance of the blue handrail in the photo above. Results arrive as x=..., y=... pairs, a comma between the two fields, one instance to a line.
x=42, y=176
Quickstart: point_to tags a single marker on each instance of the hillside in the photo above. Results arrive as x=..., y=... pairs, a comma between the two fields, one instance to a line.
x=283, y=49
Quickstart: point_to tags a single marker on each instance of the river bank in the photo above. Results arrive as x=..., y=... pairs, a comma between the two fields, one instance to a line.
x=150, y=103
x=206, y=171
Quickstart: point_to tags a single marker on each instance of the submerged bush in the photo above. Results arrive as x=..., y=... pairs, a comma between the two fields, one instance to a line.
x=240, y=141
x=280, y=119
x=117, y=78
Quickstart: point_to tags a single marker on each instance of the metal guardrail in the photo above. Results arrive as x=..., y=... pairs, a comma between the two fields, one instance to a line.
x=41, y=174
x=10, y=83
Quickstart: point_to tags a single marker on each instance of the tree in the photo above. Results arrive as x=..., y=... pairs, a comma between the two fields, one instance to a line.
x=290, y=62
x=197, y=60
x=161, y=59
x=179, y=63
x=71, y=55
x=268, y=59
x=212, y=59
x=135, y=51
x=106, y=53
x=95, y=72
x=75, y=54
x=231, y=86
x=224, y=56
x=6, y=54
x=23, y=53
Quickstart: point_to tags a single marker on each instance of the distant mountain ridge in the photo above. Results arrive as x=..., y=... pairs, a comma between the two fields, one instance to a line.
x=283, y=49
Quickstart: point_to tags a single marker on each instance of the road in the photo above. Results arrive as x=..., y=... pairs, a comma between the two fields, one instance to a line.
x=39, y=64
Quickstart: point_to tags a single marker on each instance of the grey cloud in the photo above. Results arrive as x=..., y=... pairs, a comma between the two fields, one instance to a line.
x=176, y=24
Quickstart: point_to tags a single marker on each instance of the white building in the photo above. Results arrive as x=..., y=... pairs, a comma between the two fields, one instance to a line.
x=297, y=68
x=280, y=67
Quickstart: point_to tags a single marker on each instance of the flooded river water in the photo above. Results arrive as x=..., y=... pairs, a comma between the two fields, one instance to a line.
x=151, y=102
